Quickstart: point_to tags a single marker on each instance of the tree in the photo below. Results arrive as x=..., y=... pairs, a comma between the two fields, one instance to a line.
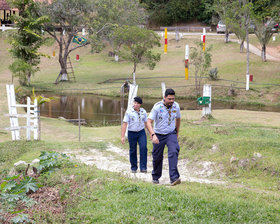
x=119, y=13
x=137, y=44
x=265, y=13
x=67, y=18
x=201, y=62
x=26, y=41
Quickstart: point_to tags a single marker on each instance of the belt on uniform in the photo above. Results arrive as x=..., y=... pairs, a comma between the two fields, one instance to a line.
x=161, y=134
x=166, y=134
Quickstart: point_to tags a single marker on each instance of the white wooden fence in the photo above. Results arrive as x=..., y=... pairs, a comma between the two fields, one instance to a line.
x=32, y=116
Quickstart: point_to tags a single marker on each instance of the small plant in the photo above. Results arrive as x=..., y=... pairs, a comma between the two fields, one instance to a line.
x=51, y=161
x=213, y=74
x=13, y=194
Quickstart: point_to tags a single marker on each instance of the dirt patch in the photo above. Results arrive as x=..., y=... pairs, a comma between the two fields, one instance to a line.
x=115, y=159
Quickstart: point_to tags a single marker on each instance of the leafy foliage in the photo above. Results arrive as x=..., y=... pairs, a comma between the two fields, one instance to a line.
x=201, y=62
x=13, y=194
x=137, y=44
x=51, y=161
x=168, y=12
x=26, y=41
x=22, y=218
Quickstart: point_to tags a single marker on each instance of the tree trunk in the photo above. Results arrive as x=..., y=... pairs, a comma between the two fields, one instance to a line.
x=63, y=68
x=264, y=52
x=196, y=85
x=226, y=36
x=29, y=78
x=241, y=46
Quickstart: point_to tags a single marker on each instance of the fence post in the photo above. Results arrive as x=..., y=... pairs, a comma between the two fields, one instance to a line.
x=207, y=91
x=28, y=126
x=79, y=117
x=36, y=119
x=13, y=112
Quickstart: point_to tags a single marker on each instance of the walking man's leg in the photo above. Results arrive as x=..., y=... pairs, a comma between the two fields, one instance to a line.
x=173, y=153
x=142, y=140
x=158, y=157
x=132, y=139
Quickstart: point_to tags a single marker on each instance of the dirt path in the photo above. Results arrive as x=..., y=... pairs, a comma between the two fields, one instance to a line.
x=258, y=52
x=116, y=160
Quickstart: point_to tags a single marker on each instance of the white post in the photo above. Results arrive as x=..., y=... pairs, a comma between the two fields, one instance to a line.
x=3, y=27
x=163, y=88
x=181, y=35
x=273, y=38
x=177, y=34
x=162, y=34
x=83, y=31
x=28, y=126
x=247, y=82
x=13, y=111
x=116, y=57
x=207, y=91
x=133, y=89
x=134, y=81
x=36, y=119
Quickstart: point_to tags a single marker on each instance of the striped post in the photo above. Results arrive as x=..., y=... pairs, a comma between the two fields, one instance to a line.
x=165, y=41
x=203, y=38
x=187, y=62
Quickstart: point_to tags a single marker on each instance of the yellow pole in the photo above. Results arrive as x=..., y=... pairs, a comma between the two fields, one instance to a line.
x=187, y=62
x=165, y=41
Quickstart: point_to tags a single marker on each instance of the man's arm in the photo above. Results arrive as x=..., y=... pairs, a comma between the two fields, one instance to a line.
x=151, y=131
x=178, y=122
x=123, y=132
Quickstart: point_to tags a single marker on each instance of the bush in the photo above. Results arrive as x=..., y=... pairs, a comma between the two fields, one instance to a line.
x=213, y=74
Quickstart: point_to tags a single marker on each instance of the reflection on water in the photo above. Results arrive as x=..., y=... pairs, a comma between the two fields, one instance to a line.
x=100, y=110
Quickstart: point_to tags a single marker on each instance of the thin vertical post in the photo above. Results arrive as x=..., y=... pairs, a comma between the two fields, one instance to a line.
x=163, y=88
x=13, y=111
x=207, y=91
x=165, y=41
x=79, y=117
x=122, y=103
x=187, y=62
x=28, y=119
x=35, y=119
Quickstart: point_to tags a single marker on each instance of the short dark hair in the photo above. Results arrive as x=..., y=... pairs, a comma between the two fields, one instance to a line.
x=138, y=99
x=169, y=92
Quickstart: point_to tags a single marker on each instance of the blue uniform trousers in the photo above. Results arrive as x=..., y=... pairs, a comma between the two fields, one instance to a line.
x=141, y=138
x=173, y=151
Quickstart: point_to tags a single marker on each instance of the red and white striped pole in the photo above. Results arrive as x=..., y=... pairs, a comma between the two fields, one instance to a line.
x=203, y=39
x=187, y=62
x=165, y=41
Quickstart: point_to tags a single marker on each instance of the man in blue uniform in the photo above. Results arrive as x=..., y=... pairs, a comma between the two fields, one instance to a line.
x=166, y=115
x=136, y=120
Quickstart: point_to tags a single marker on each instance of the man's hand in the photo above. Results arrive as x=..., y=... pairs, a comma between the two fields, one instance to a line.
x=123, y=140
x=155, y=139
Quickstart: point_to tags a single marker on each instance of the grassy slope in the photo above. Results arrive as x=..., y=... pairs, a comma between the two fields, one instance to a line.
x=92, y=69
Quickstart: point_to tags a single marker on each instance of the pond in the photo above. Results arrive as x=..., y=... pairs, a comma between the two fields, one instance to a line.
x=101, y=110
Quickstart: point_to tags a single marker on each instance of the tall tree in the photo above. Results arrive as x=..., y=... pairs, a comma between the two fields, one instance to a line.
x=26, y=41
x=137, y=44
x=67, y=18
x=265, y=13
x=119, y=13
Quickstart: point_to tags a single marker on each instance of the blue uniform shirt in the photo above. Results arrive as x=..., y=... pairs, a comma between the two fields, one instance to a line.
x=164, y=118
x=136, y=120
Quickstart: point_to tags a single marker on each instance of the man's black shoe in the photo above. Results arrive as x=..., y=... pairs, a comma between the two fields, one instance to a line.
x=143, y=171
x=133, y=171
x=175, y=182
x=155, y=181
